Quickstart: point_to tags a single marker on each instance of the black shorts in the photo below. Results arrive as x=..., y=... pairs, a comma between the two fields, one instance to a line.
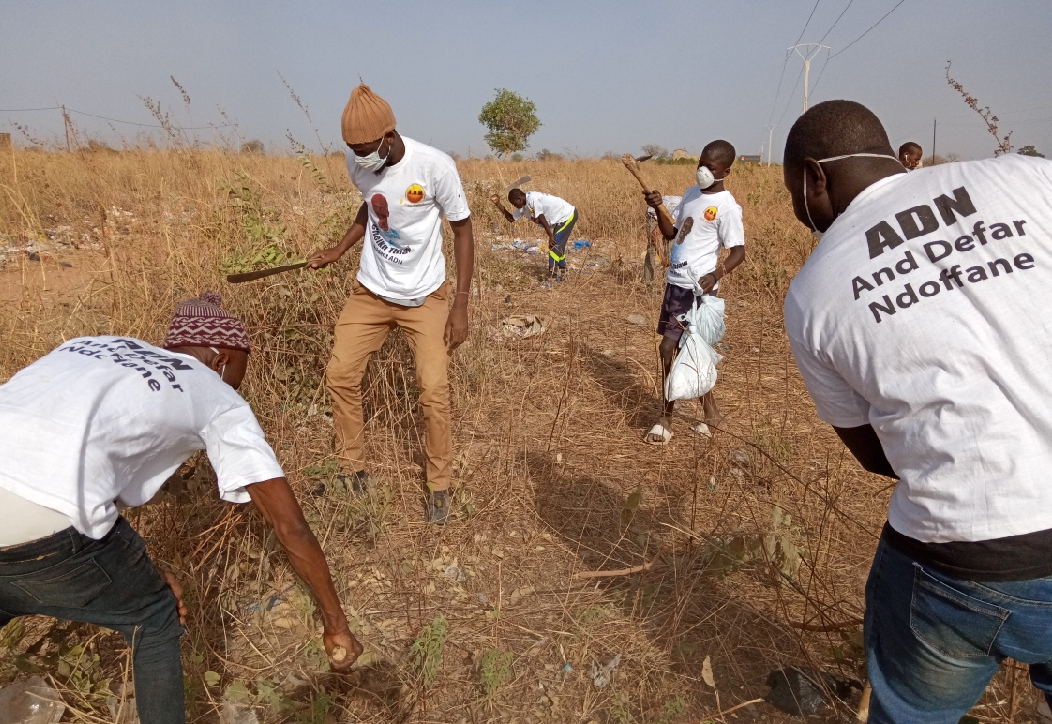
x=677, y=301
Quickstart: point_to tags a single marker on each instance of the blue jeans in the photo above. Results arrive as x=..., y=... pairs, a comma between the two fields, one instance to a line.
x=108, y=582
x=934, y=642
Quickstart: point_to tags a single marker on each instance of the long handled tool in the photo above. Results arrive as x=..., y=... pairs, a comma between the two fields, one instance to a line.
x=262, y=273
x=522, y=180
x=633, y=167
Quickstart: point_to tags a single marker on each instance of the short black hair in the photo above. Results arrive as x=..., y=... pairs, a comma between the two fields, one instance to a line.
x=516, y=193
x=835, y=128
x=720, y=151
x=910, y=146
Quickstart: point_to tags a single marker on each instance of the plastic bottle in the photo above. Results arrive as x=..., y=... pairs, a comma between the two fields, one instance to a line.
x=30, y=701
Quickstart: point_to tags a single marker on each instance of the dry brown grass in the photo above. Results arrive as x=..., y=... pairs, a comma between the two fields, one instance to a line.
x=553, y=477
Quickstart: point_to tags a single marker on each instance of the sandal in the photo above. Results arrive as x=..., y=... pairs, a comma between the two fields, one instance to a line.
x=660, y=431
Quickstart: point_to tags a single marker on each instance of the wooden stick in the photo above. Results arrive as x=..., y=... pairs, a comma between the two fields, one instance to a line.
x=620, y=571
x=863, y=704
x=710, y=717
x=633, y=168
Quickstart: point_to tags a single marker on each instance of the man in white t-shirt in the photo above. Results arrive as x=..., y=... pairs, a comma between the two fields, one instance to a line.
x=911, y=155
x=408, y=187
x=920, y=325
x=706, y=220
x=556, y=216
x=101, y=423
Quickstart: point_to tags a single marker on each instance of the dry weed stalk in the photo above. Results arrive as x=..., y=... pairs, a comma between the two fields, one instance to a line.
x=1004, y=144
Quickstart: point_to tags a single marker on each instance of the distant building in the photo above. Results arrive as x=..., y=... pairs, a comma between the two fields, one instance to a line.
x=749, y=159
x=680, y=153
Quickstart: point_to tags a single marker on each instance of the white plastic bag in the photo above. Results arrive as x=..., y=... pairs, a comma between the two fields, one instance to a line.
x=693, y=371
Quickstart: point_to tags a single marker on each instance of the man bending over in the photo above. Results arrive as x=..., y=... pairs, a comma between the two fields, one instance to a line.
x=102, y=422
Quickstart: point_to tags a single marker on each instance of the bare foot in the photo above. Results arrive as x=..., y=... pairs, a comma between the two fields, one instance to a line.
x=661, y=433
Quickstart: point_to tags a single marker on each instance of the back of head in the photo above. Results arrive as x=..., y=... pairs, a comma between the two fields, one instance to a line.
x=366, y=117
x=203, y=322
x=910, y=147
x=720, y=151
x=835, y=128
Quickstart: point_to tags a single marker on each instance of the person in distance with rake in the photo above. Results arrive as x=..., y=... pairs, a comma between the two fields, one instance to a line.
x=556, y=216
x=99, y=424
x=706, y=220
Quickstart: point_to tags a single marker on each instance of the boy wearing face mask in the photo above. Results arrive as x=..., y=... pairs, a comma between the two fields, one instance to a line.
x=401, y=282
x=706, y=220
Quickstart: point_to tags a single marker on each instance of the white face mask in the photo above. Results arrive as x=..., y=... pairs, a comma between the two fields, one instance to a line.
x=705, y=177
x=814, y=229
x=223, y=369
x=373, y=162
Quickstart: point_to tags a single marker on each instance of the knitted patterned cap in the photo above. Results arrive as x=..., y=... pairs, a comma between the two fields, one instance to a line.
x=203, y=322
x=367, y=116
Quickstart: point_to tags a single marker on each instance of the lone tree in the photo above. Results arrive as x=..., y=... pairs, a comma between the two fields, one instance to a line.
x=511, y=120
x=1030, y=151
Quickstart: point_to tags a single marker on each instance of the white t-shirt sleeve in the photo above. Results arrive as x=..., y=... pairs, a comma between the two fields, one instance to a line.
x=835, y=401
x=239, y=453
x=449, y=192
x=732, y=231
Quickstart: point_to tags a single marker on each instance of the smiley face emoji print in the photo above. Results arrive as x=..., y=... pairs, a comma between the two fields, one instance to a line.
x=414, y=194
x=710, y=213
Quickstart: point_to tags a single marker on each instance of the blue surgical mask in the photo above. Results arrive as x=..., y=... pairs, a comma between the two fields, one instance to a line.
x=373, y=162
x=814, y=229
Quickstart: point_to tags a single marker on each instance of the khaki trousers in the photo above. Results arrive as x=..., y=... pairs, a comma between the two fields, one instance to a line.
x=363, y=326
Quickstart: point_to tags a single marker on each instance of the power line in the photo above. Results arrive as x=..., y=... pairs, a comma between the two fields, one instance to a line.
x=114, y=120
x=781, y=76
x=885, y=15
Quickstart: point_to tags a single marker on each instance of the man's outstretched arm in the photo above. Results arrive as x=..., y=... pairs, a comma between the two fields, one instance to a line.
x=279, y=507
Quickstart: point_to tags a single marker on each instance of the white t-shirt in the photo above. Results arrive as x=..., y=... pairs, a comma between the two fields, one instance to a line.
x=925, y=312
x=102, y=419
x=402, y=254
x=554, y=209
x=717, y=221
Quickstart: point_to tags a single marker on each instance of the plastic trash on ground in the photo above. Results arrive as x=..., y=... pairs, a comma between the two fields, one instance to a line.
x=693, y=371
x=601, y=675
x=582, y=244
x=237, y=713
x=798, y=691
x=30, y=701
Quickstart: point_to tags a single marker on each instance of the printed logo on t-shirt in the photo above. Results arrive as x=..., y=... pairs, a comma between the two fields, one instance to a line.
x=710, y=213
x=936, y=259
x=137, y=359
x=414, y=194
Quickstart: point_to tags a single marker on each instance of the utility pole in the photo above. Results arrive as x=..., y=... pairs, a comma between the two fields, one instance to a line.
x=770, y=138
x=810, y=50
x=934, y=128
x=65, y=120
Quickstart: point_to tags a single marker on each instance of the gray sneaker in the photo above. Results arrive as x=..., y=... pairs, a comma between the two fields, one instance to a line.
x=438, y=507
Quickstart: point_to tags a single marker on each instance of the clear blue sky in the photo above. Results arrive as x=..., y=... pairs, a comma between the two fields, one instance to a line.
x=605, y=75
